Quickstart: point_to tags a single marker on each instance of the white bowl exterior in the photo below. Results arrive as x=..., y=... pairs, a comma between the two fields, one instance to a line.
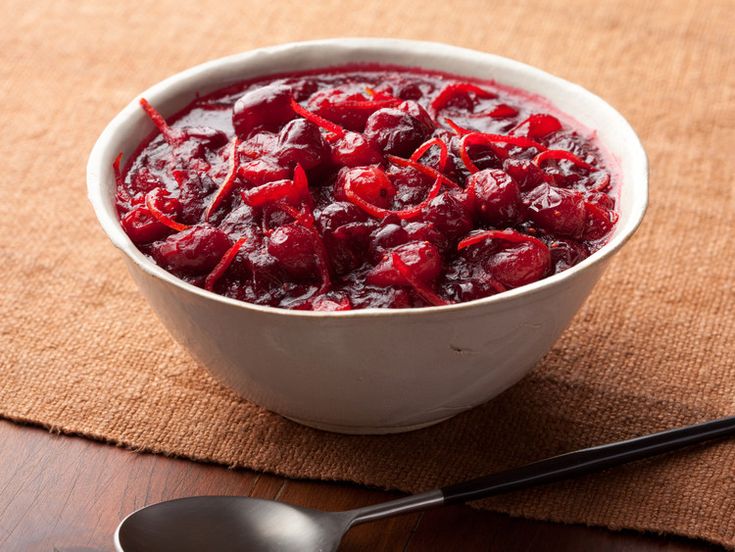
x=368, y=374
x=372, y=370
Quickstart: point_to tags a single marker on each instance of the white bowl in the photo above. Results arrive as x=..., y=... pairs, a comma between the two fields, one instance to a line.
x=372, y=370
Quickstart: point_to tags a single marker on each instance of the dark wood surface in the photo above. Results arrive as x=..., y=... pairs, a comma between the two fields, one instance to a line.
x=67, y=494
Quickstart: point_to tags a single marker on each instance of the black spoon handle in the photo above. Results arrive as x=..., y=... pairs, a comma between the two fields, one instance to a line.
x=587, y=460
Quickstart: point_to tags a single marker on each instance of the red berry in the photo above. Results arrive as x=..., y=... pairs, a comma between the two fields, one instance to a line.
x=292, y=245
x=497, y=197
x=370, y=183
x=300, y=141
x=263, y=108
x=193, y=251
x=141, y=227
x=326, y=103
x=567, y=253
x=422, y=258
x=353, y=150
x=520, y=265
x=262, y=170
x=385, y=238
x=393, y=131
x=450, y=214
x=525, y=173
x=338, y=214
x=540, y=125
x=558, y=211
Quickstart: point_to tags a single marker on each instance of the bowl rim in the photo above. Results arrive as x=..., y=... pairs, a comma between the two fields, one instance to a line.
x=96, y=168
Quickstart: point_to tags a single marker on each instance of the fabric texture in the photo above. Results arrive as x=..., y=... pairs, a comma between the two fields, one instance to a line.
x=81, y=352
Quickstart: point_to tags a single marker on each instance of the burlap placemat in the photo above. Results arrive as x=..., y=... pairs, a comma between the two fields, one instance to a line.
x=81, y=352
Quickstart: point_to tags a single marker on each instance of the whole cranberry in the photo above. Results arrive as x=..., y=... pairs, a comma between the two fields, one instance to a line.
x=292, y=245
x=567, y=253
x=485, y=157
x=415, y=110
x=525, y=173
x=558, y=211
x=263, y=108
x=207, y=137
x=394, y=131
x=520, y=265
x=328, y=103
x=141, y=227
x=600, y=221
x=422, y=259
x=540, y=125
x=426, y=231
x=338, y=214
x=263, y=170
x=260, y=144
x=353, y=150
x=193, y=251
x=347, y=246
x=497, y=197
x=370, y=183
x=300, y=141
x=411, y=92
x=601, y=199
x=385, y=238
x=450, y=214
x=411, y=185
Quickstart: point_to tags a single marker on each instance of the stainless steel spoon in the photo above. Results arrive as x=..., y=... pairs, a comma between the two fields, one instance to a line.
x=229, y=523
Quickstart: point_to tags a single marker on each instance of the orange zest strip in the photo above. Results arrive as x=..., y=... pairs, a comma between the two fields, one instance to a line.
x=458, y=130
x=159, y=215
x=301, y=183
x=561, y=154
x=119, y=180
x=379, y=212
x=223, y=264
x=375, y=95
x=319, y=121
x=367, y=104
x=423, y=148
x=520, y=141
x=491, y=141
x=281, y=190
x=428, y=171
x=477, y=138
x=117, y=171
x=500, y=111
x=269, y=192
x=422, y=290
x=507, y=235
x=449, y=91
x=168, y=133
x=229, y=181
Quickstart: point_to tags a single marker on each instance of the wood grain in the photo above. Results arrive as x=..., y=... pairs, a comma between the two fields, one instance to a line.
x=65, y=494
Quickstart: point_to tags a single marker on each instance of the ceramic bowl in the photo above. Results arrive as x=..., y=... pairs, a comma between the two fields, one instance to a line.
x=369, y=371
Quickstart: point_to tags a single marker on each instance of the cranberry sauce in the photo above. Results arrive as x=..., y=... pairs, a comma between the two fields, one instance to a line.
x=365, y=187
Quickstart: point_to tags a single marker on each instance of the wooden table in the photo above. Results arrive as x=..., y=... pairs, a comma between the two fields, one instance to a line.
x=67, y=494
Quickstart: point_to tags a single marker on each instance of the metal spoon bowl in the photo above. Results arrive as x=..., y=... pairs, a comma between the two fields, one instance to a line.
x=229, y=523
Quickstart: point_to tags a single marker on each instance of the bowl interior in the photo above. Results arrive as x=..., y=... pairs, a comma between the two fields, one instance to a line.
x=616, y=137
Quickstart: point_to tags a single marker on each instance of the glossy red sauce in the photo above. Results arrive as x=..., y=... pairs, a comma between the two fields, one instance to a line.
x=366, y=187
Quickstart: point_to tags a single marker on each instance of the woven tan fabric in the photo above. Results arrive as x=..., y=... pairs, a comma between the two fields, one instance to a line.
x=81, y=352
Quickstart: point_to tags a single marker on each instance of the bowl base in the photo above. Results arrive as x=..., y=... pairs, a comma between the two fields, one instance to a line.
x=368, y=430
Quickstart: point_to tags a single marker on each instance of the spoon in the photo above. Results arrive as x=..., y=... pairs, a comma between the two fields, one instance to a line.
x=231, y=523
